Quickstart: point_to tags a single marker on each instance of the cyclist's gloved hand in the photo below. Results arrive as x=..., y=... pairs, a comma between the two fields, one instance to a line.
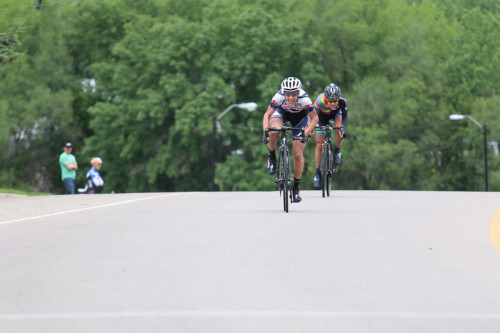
x=303, y=136
x=265, y=138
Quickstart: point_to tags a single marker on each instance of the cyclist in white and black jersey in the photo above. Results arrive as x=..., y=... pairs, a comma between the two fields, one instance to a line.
x=292, y=104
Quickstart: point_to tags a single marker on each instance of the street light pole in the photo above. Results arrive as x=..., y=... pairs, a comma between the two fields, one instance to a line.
x=485, y=159
x=214, y=125
x=251, y=106
x=485, y=143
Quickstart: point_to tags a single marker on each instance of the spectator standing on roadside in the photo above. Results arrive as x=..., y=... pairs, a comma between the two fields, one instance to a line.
x=94, y=180
x=68, y=164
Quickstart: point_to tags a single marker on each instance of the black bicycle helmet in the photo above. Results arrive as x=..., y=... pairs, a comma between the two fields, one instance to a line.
x=332, y=91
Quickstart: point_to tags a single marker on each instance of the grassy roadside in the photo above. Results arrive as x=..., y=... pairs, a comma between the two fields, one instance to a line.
x=11, y=191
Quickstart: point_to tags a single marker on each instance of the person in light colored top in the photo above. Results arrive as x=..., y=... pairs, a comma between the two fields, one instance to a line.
x=67, y=162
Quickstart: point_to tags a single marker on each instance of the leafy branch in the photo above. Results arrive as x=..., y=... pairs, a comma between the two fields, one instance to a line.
x=8, y=41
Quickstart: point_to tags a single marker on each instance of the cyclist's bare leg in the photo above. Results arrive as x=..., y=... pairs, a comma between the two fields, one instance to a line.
x=273, y=136
x=320, y=138
x=298, y=158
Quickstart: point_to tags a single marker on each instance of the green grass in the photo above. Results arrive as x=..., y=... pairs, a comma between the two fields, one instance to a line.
x=11, y=191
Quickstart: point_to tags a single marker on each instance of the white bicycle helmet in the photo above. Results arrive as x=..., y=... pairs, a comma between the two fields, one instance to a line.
x=291, y=84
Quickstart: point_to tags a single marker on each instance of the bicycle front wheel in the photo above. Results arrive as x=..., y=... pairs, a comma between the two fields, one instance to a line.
x=285, y=182
x=329, y=173
x=324, y=168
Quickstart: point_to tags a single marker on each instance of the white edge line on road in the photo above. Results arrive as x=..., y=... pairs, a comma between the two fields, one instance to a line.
x=88, y=208
x=324, y=314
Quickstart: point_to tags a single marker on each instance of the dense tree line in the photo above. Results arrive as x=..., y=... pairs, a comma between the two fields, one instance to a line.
x=164, y=68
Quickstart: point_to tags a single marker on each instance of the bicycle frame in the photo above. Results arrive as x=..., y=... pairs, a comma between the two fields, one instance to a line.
x=326, y=167
x=284, y=175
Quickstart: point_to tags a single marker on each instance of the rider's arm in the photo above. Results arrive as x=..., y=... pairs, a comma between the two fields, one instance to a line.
x=344, y=119
x=98, y=181
x=71, y=166
x=267, y=117
x=95, y=177
x=312, y=124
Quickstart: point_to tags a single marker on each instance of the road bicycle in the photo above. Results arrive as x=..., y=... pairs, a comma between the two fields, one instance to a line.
x=284, y=176
x=329, y=171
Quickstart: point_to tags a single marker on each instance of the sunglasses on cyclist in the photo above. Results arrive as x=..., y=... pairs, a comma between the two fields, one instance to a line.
x=291, y=93
x=332, y=100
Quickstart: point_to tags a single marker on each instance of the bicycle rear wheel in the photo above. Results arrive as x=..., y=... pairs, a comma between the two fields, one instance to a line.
x=284, y=165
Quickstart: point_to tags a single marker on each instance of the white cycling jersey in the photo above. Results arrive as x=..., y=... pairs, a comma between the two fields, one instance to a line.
x=303, y=102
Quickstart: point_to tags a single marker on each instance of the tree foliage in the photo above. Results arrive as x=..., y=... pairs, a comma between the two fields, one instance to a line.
x=163, y=71
x=8, y=42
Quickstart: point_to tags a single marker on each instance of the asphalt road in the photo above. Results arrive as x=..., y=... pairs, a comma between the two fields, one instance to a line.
x=359, y=261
